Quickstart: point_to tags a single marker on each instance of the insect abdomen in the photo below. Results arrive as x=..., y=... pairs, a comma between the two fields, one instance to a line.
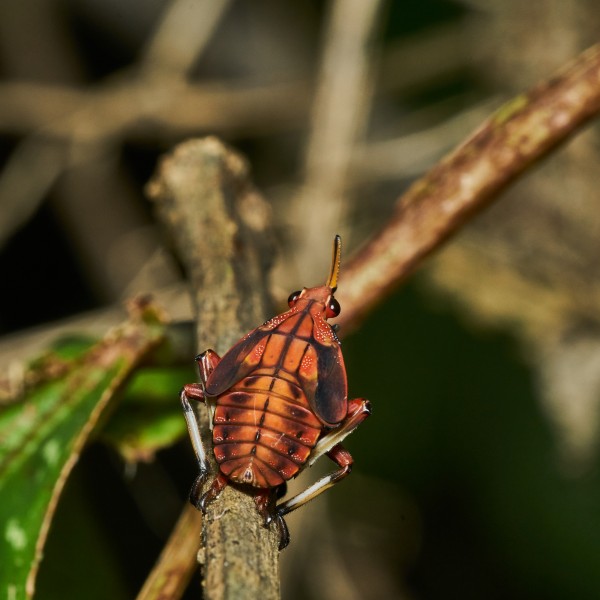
x=263, y=429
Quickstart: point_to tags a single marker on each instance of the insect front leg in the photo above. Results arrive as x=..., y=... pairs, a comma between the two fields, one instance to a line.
x=195, y=391
x=358, y=410
x=207, y=362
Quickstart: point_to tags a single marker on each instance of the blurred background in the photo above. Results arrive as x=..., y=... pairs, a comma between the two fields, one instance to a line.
x=477, y=475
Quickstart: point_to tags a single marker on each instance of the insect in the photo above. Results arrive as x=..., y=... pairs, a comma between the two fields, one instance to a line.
x=277, y=402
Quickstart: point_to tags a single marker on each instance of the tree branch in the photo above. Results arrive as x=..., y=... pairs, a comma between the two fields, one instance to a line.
x=171, y=575
x=221, y=229
x=520, y=133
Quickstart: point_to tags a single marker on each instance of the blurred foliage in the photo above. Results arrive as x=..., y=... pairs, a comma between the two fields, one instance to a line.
x=148, y=419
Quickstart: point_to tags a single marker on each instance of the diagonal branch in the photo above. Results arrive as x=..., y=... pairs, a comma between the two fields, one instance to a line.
x=520, y=133
x=174, y=568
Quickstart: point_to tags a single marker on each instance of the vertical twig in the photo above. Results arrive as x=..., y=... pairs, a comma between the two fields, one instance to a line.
x=340, y=110
x=181, y=36
x=221, y=230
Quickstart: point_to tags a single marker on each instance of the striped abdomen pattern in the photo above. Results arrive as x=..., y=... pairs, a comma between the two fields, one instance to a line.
x=264, y=430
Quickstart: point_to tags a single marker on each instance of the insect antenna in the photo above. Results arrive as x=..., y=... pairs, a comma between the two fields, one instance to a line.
x=335, y=263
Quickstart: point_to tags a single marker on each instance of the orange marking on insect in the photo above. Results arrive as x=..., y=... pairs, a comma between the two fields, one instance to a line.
x=308, y=368
x=279, y=399
x=273, y=350
x=258, y=350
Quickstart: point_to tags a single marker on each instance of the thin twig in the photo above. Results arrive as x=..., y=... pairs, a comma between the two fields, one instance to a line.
x=219, y=105
x=68, y=133
x=143, y=108
x=409, y=155
x=171, y=575
x=220, y=226
x=182, y=34
x=339, y=113
x=520, y=133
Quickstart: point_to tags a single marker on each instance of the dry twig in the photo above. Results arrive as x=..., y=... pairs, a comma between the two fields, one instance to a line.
x=339, y=113
x=220, y=226
x=520, y=133
x=174, y=568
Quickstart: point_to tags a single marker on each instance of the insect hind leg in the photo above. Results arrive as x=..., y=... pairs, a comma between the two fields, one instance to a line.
x=358, y=410
x=265, y=502
x=338, y=454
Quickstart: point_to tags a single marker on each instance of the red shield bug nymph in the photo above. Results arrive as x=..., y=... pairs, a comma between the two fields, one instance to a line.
x=277, y=401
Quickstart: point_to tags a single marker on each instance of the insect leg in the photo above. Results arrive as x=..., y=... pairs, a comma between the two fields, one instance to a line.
x=217, y=486
x=207, y=362
x=358, y=410
x=265, y=502
x=195, y=391
x=339, y=455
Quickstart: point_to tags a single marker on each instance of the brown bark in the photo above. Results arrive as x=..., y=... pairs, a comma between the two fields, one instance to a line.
x=517, y=135
x=221, y=230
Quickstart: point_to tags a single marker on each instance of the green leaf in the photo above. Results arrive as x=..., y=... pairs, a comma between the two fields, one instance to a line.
x=42, y=435
x=149, y=416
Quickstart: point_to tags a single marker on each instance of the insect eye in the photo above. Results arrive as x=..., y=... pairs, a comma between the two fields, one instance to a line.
x=293, y=298
x=333, y=308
